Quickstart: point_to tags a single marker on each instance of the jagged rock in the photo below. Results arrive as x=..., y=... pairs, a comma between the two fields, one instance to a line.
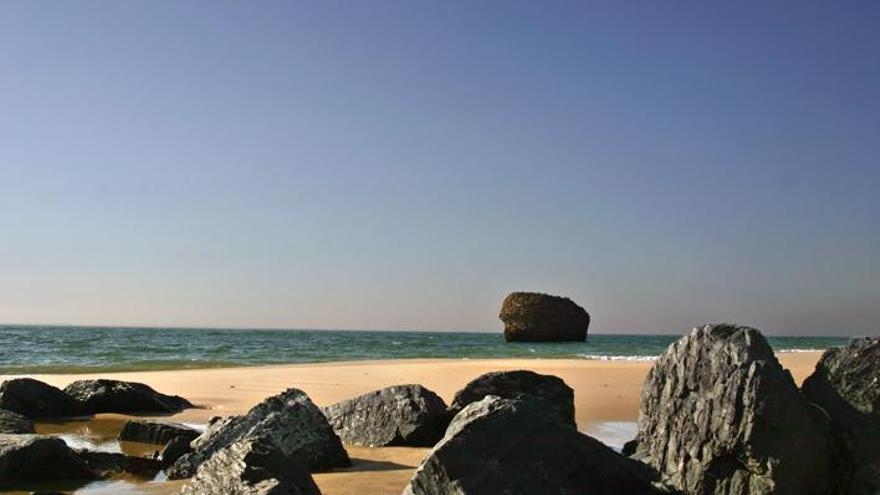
x=12, y=422
x=846, y=384
x=36, y=399
x=105, y=464
x=174, y=450
x=38, y=458
x=719, y=415
x=251, y=467
x=399, y=415
x=157, y=432
x=535, y=317
x=114, y=396
x=510, y=384
x=298, y=427
x=517, y=446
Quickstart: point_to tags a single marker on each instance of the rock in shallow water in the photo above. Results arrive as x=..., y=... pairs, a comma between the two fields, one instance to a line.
x=12, y=422
x=156, y=432
x=106, y=464
x=400, y=415
x=36, y=399
x=37, y=458
x=535, y=317
x=719, y=415
x=114, y=396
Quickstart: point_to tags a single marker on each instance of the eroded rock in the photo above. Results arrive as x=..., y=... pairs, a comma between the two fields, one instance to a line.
x=535, y=317
x=156, y=432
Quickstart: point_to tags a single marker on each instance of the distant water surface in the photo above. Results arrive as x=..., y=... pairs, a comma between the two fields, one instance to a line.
x=70, y=349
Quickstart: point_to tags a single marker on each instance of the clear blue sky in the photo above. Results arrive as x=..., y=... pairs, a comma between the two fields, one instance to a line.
x=404, y=165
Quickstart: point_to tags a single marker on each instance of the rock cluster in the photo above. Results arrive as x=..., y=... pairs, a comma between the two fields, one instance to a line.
x=535, y=317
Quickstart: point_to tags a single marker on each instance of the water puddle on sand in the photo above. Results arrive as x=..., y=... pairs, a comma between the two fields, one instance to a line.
x=612, y=433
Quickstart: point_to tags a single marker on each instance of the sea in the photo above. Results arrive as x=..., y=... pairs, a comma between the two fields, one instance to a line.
x=80, y=349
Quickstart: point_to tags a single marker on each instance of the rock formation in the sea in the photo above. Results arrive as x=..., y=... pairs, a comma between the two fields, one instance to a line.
x=107, y=464
x=254, y=466
x=535, y=317
x=518, y=446
x=157, y=432
x=400, y=415
x=12, y=422
x=37, y=458
x=114, y=396
x=296, y=424
x=719, y=415
x=36, y=399
x=511, y=384
x=846, y=384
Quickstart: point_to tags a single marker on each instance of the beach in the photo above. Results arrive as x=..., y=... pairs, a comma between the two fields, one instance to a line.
x=606, y=393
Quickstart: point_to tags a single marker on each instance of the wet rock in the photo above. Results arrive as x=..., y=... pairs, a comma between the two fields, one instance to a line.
x=298, y=427
x=846, y=385
x=719, y=415
x=174, y=450
x=535, y=317
x=156, y=432
x=106, y=464
x=254, y=466
x=400, y=415
x=38, y=458
x=510, y=384
x=12, y=422
x=114, y=396
x=36, y=399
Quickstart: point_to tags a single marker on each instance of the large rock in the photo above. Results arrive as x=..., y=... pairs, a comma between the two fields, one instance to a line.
x=511, y=384
x=251, y=467
x=298, y=427
x=36, y=399
x=846, y=384
x=12, y=422
x=535, y=317
x=719, y=415
x=156, y=432
x=114, y=396
x=36, y=458
x=107, y=464
x=399, y=415
x=519, y=447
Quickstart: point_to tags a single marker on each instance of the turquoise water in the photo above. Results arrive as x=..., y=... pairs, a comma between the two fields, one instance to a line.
x=67, y=349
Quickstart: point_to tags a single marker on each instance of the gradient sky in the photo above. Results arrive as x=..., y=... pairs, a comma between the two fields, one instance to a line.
x=404, y=165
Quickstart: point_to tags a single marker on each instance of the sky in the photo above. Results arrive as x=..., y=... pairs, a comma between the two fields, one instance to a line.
x=404, y=165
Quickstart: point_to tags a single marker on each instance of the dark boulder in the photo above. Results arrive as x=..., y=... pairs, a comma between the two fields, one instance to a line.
x=510, y=384
x=719, y=415
x=516, y=446
x=298, y=427
x=37, y=458
x=107, y=464
x=846, y=384
x=12, y=422
x=114, y=396
x=535, y=317
x=36, y=399
x=174, y=450
x=156, y=432
x=254, y=466
x=400, y=415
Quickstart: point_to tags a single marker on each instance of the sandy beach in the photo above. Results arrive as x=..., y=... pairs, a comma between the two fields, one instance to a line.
x=605, y=391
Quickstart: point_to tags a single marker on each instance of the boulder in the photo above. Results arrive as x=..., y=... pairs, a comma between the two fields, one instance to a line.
x=517, y=446
x=719, y=415
x=11, y=422
x=254, y=466
x=510, y=384
x=298, y=427
x=400, y=415
x=114, y=396
x=107, y=464
x=36, y=399
x=38, y=458
x=535, y=317
x=174, y=450
x=846, y=384
x=156, y=432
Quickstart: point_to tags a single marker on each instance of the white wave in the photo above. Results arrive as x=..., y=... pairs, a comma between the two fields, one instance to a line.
x=605, y=357
x=800, y=350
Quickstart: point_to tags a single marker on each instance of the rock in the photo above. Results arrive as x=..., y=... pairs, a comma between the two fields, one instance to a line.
x=174, y=450
x=517, y=446
x=106, y=464
x=12, y=422
x=254, y=466
x=535, y=317
x=400, y=415
x=114, y=396
x=846, y=384
x=510, y=384
x=38, y=458
x=299, y=428
x=157, y=432
x=36, y=399
x=719, y=415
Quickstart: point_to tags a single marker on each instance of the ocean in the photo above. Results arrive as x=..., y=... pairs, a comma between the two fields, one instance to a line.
x=71, y=349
